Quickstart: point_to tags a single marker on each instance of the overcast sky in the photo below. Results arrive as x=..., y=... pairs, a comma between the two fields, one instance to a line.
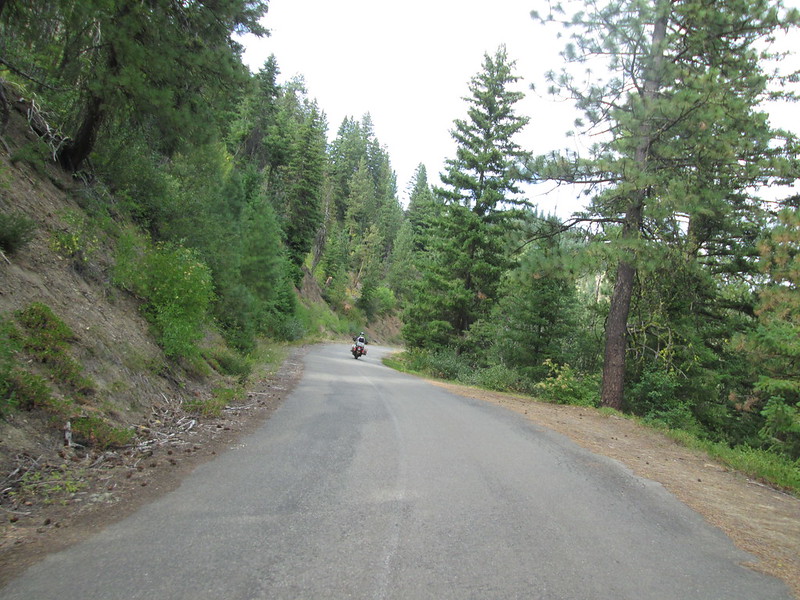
x=409, y=64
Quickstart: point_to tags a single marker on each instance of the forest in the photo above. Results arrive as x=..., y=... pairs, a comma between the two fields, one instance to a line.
x=672, y=297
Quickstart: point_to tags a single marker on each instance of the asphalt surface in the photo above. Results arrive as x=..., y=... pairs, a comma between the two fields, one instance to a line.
x=367, y=483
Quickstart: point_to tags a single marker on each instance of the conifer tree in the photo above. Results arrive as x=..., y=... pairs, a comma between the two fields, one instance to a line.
x=468, y=253
x=684, y=140
x=160, y=64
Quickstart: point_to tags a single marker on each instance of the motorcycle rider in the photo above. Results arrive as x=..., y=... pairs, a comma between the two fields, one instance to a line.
x=360, y=341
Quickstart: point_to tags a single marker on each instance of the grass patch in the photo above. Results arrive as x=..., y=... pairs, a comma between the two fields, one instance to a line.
x=46, y=339
x=762, y=465
x=50, y=485
x=95, y=431
x=213, y=406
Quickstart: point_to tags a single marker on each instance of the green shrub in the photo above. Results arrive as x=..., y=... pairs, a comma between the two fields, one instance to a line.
x=77, y=242
x=46, y=339
x=8, y=350
x=230, y=363
x=565, y=386
x=45, y=332
x=448, y=364
x=383, y=300
x=16, y=231
x=657, y=396
x=781, y=430
x=27, y=391
x=93, y=430
x=501, y=378
x=287, y=328
x=176, y=286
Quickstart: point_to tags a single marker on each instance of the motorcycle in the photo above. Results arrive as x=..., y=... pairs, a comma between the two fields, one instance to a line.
x=358, y=349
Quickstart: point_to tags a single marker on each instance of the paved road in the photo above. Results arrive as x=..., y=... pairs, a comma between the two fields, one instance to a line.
x=371, y=484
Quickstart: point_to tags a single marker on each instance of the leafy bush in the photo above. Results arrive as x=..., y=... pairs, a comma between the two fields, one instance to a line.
x=26, y=391
x=77, y=242
x=176, y=286
x=383, y=300
x=16, y=231
x=782, y=428
x=285, y=327
x=657, y=396
x=448, y=364
x=565, y=386
x=501, y=378
x=230, y=363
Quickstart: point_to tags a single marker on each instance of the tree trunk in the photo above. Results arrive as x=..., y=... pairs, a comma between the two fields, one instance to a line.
x=77, y=150
x=612, y=391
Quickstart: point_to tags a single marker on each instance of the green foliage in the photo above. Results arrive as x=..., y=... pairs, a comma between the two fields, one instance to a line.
x=16, y=231
x=565, y=386
x=446, y=363
x=95, y=431
x=77, y=242
x=35, y=153
x=501, y=378
x=228, y=362
x=147, y=68
x=682, y=105
x=782, y=427
x=659, y=396
x=46, y=339
x=774, y=343
x=287, y=328
x=383, y=300
x=24, y=391
x=467, y=241
x=176, y=287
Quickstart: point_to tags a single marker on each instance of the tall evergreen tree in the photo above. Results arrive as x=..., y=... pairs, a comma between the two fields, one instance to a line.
x=685, y=139
x=468, y=252
x=164, y=64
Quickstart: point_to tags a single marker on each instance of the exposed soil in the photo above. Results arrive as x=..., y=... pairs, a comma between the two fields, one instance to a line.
x=759, y=519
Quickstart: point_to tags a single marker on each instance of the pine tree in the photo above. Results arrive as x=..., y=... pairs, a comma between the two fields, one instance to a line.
x=467, y=250
x=161, y=64
x=685, y=141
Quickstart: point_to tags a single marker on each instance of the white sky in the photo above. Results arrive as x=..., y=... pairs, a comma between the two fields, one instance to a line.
x=409, y=64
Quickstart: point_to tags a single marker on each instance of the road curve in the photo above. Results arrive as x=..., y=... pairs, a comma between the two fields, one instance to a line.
x=367, y=483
